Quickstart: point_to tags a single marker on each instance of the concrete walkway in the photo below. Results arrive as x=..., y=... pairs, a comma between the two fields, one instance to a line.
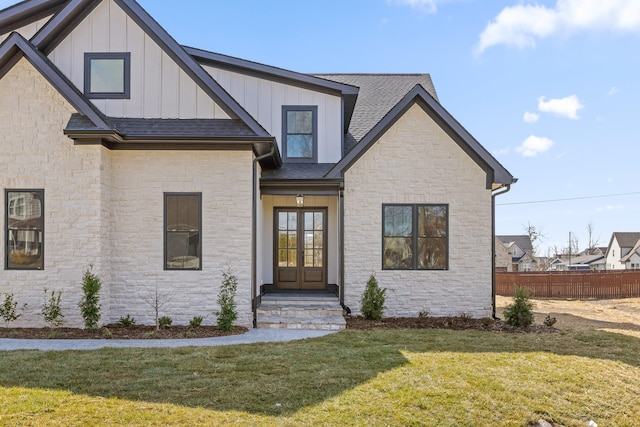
x=252, y=336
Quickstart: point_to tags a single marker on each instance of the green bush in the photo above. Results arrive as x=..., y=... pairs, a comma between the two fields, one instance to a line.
x=127, y=321
x=520, y=312
x=195, y=322
x=8, y=309
x=226, y=300
x=89, y=304
x=373, y=300
x=51, y=310
x=165, y=322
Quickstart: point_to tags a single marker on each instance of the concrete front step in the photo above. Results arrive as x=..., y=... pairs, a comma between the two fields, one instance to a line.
x=295, y=311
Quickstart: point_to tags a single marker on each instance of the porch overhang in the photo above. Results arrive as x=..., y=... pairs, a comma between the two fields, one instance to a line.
x=308, y=187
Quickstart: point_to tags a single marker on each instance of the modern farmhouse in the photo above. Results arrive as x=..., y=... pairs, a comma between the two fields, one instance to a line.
x=161, y=166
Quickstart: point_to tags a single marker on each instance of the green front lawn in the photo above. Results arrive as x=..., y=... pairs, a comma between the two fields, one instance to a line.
x=375, y=377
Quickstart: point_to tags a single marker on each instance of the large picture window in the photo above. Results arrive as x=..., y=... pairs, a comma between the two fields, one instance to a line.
x=300, y=133
x=107, y=75
x=24, y=229
x=182, y=225
x=415, y=237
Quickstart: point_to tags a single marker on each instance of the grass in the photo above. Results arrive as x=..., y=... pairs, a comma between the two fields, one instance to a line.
x=375, y=377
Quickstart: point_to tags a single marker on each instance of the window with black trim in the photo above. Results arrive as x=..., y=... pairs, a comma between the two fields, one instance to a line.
x=24, y=229
x=182, y=226
x=300, y=133
x=107, y=75
x=415, y=237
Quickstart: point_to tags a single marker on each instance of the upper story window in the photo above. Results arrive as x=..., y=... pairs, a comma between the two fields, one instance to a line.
x=415, y=237
x=300, y=133
x=182, y=226
x=107, y=75
x=24, y=229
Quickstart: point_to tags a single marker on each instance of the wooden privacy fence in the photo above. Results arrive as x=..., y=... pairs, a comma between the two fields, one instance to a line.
x=571, y=284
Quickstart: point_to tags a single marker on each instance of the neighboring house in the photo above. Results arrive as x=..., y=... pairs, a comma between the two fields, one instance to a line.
x=621, y=245
x=582, y=261
x=161, y=166
x=521, y=250
x=631, y=260
x=503, y=262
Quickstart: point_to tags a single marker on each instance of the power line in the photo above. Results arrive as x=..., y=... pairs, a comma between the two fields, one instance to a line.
x=568, y=199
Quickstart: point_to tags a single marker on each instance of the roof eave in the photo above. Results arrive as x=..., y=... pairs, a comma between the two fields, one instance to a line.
x=23, y=13
x=496, y=173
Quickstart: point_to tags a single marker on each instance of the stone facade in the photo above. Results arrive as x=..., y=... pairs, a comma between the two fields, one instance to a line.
x=105, y=208
x=415, y=161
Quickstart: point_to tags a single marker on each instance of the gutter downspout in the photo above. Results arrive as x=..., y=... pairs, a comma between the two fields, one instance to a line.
x=341, y=246
x=493, y=248
x=254, y=232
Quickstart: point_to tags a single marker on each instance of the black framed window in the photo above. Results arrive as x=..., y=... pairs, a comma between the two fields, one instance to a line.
x=107, y=75
x=415, y=237
x=24, y=229
x=182, y=231
x=300, y=133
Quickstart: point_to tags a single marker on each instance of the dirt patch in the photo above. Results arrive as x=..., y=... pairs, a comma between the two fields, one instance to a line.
x=118, y=332
x=619, y=314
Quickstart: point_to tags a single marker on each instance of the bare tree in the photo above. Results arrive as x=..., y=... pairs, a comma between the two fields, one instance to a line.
x=593, y=242
x=535, y=234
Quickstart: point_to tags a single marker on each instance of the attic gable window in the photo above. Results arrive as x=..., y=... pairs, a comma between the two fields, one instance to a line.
x=300, y=133
x=107, y=75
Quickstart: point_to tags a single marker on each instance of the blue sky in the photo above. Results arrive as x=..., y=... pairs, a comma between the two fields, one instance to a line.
x=550, y=87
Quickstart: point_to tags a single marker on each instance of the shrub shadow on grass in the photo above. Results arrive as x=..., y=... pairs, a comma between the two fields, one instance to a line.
x=274, y=379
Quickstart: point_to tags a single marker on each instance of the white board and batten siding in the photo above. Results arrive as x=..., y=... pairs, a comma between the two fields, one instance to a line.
x=27, y=31
x=159, y=87
x=263, y=99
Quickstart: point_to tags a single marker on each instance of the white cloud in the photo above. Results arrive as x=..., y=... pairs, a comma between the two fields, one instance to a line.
x=609, y=208
x=566, y=107
x=534, y=145
x=614, y=90
x=501, y=151
x=430, y=6
x=530, y=117
x=522, y=25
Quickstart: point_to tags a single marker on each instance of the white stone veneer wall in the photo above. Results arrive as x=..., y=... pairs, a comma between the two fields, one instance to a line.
x=415, y=161
x=106, y=208
x=140, y=179
x=36, y=155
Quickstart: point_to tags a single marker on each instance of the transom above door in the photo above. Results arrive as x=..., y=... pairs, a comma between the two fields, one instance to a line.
x=300, y=248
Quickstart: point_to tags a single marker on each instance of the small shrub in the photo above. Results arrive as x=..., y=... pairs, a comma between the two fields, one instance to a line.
x=424, y=314
x=125, y=322
x=195, y=322
x=549, y=321
x=106, y=333
x=89, y=304
x=51, y=310
x=465, y=316
x=8, y=310
x=520, y=312
x=226, y=300
x=165, y=322
x=372, y=300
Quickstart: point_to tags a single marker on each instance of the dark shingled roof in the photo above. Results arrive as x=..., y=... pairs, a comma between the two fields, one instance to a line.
x=626, y=239
x=298, y=171
x=169, y=127
x=523, y=242
x=379, y=93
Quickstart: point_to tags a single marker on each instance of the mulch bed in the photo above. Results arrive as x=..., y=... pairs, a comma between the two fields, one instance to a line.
x=455, y=323
x=120, y=333
x=353, y=322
